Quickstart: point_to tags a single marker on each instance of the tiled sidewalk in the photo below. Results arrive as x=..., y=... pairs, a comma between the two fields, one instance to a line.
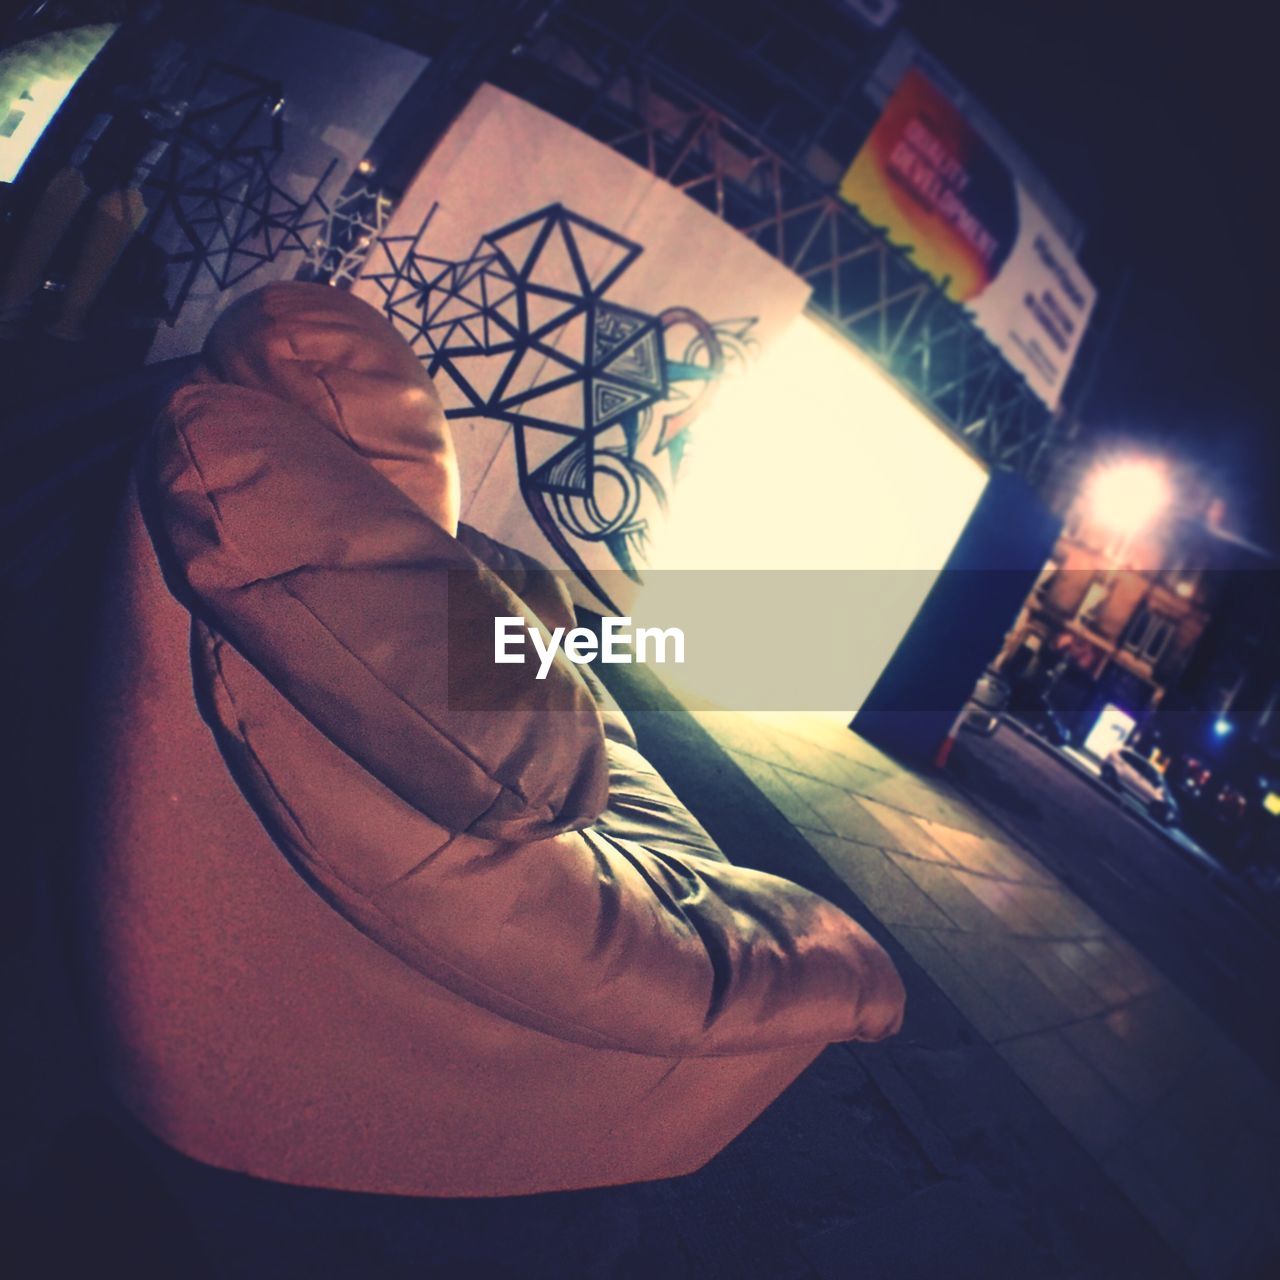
x=1176, y=1116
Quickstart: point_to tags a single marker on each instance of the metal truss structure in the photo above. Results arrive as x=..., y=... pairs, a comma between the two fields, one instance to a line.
x=767, y=161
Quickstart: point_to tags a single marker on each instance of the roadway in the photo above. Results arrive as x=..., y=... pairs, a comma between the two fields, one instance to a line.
x=1174, y=906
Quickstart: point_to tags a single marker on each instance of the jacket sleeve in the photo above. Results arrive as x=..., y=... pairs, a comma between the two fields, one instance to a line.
x=627, y=934
x=343, y=658
x=541, y=588
x=371, y=620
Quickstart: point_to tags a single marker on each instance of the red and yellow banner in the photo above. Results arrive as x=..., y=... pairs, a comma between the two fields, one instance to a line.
x=926, y=176
x=933, y=182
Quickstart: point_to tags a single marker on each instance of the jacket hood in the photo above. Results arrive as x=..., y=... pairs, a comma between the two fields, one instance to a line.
x=343, y=363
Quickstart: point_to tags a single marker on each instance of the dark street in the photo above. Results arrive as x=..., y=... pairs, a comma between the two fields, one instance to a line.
x=1171, y=907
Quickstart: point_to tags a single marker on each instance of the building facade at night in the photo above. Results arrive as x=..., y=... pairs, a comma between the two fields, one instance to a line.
x=1164, y=639
x=1113, y=620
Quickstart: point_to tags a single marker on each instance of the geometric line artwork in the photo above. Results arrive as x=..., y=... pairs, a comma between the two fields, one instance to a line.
x=357, y=217
x=221, y=214
x=524, y=330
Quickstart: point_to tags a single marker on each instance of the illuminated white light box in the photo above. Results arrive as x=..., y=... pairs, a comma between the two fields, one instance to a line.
x=35, y=78
x=812, y=459
x=1110, y=730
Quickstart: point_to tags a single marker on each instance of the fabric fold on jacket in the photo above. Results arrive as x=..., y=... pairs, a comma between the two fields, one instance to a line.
x=363, y=908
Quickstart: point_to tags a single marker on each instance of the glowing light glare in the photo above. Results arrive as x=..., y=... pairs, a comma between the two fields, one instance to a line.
x=32, y=112
x=1110, y=730
x=812, y=459
x=35, y=78
x=1127, y=496
x=1222, y=727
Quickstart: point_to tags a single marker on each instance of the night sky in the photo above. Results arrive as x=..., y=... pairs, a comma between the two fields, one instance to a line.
x=1157, y=124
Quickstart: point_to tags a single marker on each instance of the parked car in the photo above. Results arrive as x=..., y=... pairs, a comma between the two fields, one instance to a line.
x=1190, y=777
x=988, y=700
x=1230, y=805
x=1228, y=825
x=1126, y=771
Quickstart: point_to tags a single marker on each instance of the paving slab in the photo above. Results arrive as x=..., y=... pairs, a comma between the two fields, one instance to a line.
x=1073, y=1090
x=977, y=1237
x=948, y=887
x=874, y=876
x=1151, y=1090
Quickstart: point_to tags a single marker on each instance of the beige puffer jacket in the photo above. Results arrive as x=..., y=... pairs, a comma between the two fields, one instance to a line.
x=365, y=910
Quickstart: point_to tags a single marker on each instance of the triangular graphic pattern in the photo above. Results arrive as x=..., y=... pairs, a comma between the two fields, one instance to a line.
x=641, y=362
x=523, y=332
x=216, y=211
x=610, y=400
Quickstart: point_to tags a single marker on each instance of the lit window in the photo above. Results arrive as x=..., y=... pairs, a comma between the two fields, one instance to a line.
x=1095, y=601
x=1149, y=635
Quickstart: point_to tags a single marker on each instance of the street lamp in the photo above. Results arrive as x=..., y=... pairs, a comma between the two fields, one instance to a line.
x=1123, y=496
x=1127, y=496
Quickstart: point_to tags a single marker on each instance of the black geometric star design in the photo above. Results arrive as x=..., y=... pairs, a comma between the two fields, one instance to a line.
x=220, y=211
x=352, y=224
x=524, y=332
